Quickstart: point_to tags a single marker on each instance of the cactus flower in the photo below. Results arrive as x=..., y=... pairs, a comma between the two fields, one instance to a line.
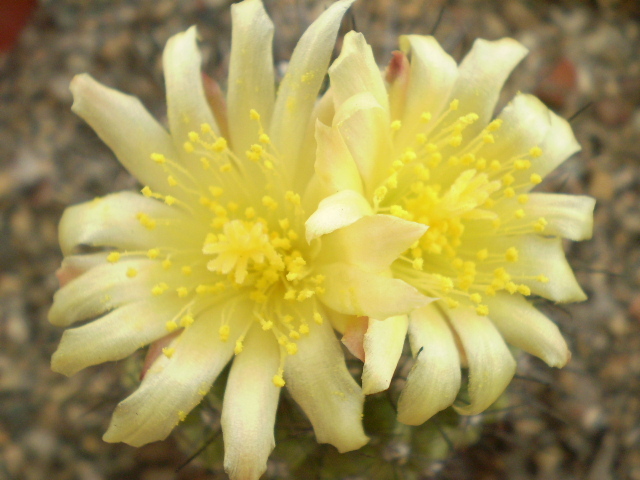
x=210, y=261
x=421, y=143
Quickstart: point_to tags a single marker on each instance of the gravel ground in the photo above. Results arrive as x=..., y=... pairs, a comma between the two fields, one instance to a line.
x=582, y=422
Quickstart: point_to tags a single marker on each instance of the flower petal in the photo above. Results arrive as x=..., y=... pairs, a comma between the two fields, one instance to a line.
x=251, y=80
x=320, y=383
x=383, y=345
x=491, y=366
x=543, y=256
x=568, y=216
x=299, y=88
x=127, y=128
x=373, y=242
x=350, y=290
x=336, y=211
x=355, y=71
x=187, y=106
x=559, y=144
x=113, y=337
x=523, y=326
x=432, y=77
x=101, y=289
x=112, y=221
x=334, y=164
x=525, y=123
x=482, y=74
x=434, y=379
x=249, y=408
x=365, y=129
x=172, y=387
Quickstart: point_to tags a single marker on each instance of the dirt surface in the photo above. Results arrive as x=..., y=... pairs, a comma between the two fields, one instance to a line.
x=582, y=422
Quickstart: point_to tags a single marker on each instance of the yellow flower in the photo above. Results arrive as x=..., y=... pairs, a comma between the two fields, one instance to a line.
x=211, y=260
x=421, y=145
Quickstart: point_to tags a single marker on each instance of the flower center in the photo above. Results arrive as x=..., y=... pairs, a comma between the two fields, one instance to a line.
x=474, y=202
x=235, y=237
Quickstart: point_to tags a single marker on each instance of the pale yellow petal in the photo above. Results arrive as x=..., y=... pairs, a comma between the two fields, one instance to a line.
x=543, y=256
x=115, y=336
x=432, y=77
x=482, y=74
x=373, y=242
x=366, y=131
x=172, y=387
x=351, y=290
x=127, y=128
x=299, y=88
x=336, y=211
x=112, y=221
x=251, y=83
x=567, y=216
x=320, y=383
x=491, y=366
x=104, y=288
x=434, y=379
x=187, y=106
x=249, y=408
x=525, y=123
x=334, y=164
x=559, y=144
x=523, y=326
x=355, y=71
x=383, y=345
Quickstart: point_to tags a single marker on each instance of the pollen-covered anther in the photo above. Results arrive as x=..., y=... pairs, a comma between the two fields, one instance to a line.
x=540, y=225
x=171, y=326
x=535, y=152
x=159, y=289
x=238, y=347
x=396, y=125
x=186, y=321
x=146, y=221
x=224, y=331
x=158, y=158
x=131, y=272
x=113, y=257
x=168, y=351
x=482, y=310
x=511, y=255
x=278, y=380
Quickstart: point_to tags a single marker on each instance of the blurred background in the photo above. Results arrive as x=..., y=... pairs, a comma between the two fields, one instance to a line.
x=582, y=422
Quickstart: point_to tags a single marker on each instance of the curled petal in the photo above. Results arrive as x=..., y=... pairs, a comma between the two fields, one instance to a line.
x=126, y=127
x=320, y=383
x=113, y=337
x=299, y=88
x=334, y=164
x=433, y=75
x=173, y=386
x=559, y=144
x=113, y=221
x=351, y=290
x=523, y=326
x=434, y=379
x=335, y=212
x=251, y=84
x=491, y=366
x=355, y=71
x=482, y=74
x=103, y=288
x=373, y=242
x=567, y=216
x=364, y=126
x=249, y=408
x=187, y=106
x=383, y=345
